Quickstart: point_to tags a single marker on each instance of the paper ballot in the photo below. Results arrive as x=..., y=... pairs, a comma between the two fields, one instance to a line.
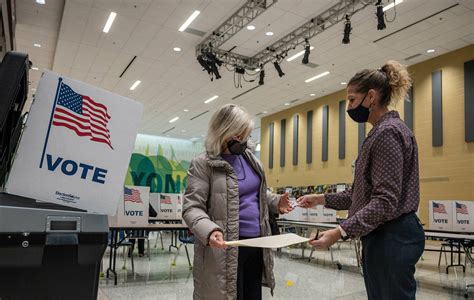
x=274, y=241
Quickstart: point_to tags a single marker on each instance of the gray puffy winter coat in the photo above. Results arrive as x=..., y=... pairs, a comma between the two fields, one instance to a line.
x=211, y=202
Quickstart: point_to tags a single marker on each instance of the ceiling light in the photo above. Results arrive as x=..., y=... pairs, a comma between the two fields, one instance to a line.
x=34, y=68
x=134, y=86
x=174, y=119
x=316, y=77
x=391, y=5
x=298, y=54
x=211, y=99
x=265, y=111
x=257, y=70
x=183, y=130
x=287, y=104
x=250, y=27
x=268, y=33
x=177, y=49
x=312, y=95
x=189, y=20
x=343, y=83
x=37, y=45
x=186, y=110
x=430, y=50
x=258, y=147
x=110, y=20
x=40, y=1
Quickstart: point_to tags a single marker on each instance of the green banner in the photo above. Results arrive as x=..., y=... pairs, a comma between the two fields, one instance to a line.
x=161, y=163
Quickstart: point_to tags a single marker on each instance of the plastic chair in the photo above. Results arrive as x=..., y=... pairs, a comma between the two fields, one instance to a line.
x=185, y=237
x=126, y=245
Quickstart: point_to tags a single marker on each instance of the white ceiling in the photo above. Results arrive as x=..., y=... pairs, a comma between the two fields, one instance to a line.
x=74, y=45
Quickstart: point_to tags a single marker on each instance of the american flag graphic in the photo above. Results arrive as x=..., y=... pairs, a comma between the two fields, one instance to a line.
x=82, y=115
x=461, y=209
x=439, y=208
x=132, y=195
x=165, y=199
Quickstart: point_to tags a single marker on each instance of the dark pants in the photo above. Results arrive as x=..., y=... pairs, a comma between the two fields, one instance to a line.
x=390, y=253
x=249, y=274
x=141, y=242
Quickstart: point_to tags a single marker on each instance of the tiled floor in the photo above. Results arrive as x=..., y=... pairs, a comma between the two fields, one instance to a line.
x=296, y=278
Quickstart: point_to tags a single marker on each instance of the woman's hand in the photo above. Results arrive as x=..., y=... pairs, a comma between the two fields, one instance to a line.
x=312, y=200
x=326, y=239
x=216, y=240
x=284, y=205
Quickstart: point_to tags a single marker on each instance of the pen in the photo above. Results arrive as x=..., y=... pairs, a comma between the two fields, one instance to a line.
x=317, y=236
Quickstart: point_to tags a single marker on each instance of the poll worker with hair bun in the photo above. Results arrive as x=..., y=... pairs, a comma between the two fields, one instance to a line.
x=385, y=194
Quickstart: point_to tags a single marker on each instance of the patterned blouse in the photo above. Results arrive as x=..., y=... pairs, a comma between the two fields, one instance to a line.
x=386, y=180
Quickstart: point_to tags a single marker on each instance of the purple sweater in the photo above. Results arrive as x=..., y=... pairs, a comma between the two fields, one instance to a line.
x=249, y=187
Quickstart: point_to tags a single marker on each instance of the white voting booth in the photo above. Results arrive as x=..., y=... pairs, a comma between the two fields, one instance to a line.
x=132, y=207
x=76, y=146
x=167, y=206
x=451, y=215
x=318, y=214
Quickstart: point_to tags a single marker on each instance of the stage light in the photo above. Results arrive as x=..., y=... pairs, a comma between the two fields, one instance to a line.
x=380, y=16
x=307, y=51
x=347, y=31
x=262, y=75
x=276, y=63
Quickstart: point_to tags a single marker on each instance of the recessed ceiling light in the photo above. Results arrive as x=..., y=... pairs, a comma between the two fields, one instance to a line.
x=177, y=49
x=40, y=1
x=34, y=68
x=250, y=27
x=174, y=119
x=189, y=20
x=430, y=50
x=134, y=86
x=343, y=83
x=265, y=111
x=37, y=45
x=186, y=110
x=211, y=99
x=316, y=77
x=391, y=5
x=183, y=130
x=109, y=22
x=298, y=54
x=312, y=95
x=269, y=33
x=287, y=104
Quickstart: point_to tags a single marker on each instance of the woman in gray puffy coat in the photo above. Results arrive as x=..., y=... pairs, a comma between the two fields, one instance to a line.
x=226, y=199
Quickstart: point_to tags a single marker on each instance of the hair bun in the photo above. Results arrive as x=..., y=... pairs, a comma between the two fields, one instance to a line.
x=398, y=79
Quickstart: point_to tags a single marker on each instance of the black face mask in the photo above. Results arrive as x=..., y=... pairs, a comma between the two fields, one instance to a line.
x=360, y=114
x=237, y=148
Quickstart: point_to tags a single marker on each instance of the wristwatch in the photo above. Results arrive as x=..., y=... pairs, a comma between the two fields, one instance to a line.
x=344, y=235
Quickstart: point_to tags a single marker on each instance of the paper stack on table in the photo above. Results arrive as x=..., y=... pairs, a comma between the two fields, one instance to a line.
x=274, y=241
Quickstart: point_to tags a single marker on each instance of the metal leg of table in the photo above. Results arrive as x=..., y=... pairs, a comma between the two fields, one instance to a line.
x=174, y=238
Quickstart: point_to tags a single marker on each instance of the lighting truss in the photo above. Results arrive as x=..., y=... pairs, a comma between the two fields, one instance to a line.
x=252, y=9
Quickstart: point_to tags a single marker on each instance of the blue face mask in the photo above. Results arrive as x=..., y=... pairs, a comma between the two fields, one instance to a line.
x=360, y=114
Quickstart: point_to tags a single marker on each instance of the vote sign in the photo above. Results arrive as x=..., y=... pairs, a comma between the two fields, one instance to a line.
x=76, y=146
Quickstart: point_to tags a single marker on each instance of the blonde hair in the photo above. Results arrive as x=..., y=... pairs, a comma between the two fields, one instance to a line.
x=228, y=121
x=392, y=81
